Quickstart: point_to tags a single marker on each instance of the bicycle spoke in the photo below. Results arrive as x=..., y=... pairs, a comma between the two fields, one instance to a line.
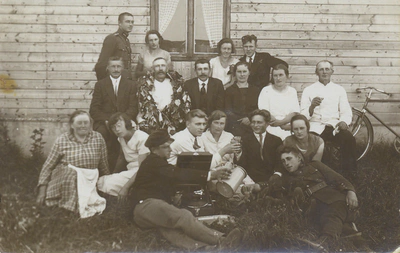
x=362, y=130
x=396, y=144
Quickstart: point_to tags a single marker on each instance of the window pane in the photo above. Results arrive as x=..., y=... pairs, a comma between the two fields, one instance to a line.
x=172, y=24
x=209, y=17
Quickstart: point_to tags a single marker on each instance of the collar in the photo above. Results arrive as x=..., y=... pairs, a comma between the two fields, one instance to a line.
x=158, y=83
x=120, y=32
x=189, y=134
x=263, y=135
x=72, y=137
x=201, y=82
x=113, y=80
x=330, y=83
x=252, y=57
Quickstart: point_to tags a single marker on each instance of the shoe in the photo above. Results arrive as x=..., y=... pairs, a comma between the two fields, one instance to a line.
x=232, y=240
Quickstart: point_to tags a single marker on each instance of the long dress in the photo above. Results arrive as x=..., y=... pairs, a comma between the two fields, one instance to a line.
x=279, y=104
x=61, y=180
x=112, y=184
x=220, y=72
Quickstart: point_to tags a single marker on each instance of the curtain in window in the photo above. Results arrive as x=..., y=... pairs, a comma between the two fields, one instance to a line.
x=167, y=10
x=213, y=11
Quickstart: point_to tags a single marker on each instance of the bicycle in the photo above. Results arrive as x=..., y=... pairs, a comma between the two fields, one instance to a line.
x=362, y=128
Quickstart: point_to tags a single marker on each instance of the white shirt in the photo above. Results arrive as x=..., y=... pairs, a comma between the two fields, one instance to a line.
x=133, y=148
x=251, y=57
x=220, y=72
x=162, y=93
x=184, y=141
x=213, y=146
x=334, y=107
x=279, y=103
x=201, y=84
x=115, y=82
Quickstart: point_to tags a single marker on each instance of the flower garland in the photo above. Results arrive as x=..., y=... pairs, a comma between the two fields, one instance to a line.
x=172, y=117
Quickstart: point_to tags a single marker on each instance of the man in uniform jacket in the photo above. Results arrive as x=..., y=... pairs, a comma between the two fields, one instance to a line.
x=117, y=44
x=206, y=93
x=112, y=94
x=335, y=196
x=260, y=63
x=259, y=148
x=156, y=203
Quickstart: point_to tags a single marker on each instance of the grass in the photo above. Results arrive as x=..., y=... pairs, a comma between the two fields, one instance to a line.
x=268, y=225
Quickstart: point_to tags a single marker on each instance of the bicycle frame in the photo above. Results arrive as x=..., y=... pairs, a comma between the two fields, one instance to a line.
x=365, y=109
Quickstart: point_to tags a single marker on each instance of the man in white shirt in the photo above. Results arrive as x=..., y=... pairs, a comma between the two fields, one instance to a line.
x=326, y=105
x=112, y=94
x=189, y=139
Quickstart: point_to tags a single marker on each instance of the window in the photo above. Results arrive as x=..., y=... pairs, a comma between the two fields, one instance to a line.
x=191, y=28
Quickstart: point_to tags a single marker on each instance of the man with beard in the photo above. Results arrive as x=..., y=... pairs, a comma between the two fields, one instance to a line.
x=112, y=94
x=117, y=44
x=206, y=93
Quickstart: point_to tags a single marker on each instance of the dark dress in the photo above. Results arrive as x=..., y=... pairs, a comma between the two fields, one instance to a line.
x=239, y=102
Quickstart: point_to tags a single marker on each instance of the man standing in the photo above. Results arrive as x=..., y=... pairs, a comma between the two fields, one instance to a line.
x=259, y=148
x=260, y=63
x=112, y=94
x=117, y=44
x=156, y=206
x=206, y=93
x=325, y=104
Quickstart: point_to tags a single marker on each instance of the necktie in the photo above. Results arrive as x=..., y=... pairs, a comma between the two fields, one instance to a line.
x=261, y=146
x=250, y=60
x=196, y=144
x=116, y=89
x=203, y=97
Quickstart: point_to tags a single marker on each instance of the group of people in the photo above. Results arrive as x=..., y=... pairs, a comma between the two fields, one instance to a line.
x=242, y=111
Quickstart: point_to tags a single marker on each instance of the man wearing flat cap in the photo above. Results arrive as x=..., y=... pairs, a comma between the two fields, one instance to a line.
x=153, y=193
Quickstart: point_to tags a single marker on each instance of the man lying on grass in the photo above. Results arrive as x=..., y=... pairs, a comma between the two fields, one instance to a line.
x=153, y=192
x=334, y=196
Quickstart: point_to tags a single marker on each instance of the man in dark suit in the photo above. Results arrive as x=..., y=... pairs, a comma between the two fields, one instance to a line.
x=156, y=204
x=259, y=149
x=206, y=93
x=260, y=63
x=112, y=94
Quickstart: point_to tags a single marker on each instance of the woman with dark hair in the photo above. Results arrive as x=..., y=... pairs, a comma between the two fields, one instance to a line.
x=153, y=41
x=221, y=65
x=132, y=153
x=240, y=100
x=280, y=100
x=79, y=148
x=310, y=145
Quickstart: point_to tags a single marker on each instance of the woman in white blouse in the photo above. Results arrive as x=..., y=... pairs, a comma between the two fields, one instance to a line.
x=281, y=101
x=221, y=65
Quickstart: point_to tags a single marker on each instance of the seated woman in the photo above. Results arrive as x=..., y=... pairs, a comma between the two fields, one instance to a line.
x=80, y=147
x=221, y=65
x=133, y=152
x=240, y=100
x=215, y=139
x=311, y=145
x=281, y=101
x=145, y=62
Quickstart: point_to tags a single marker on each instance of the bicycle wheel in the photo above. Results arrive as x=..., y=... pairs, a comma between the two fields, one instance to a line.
x=396, y=144
x=362, y=130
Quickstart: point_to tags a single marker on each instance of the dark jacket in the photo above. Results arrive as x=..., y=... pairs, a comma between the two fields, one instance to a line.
x=104, y=103
x=215, y=94
x=237, y=107
x=260, y=170
x=261, y=67
x=156, y=178
x=315, y=173
x=115, y=44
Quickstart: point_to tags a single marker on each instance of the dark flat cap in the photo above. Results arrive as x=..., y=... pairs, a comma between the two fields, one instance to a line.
x=157, y=138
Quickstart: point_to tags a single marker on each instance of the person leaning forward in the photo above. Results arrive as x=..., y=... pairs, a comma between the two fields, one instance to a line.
x=153, y=192
x=117, y=44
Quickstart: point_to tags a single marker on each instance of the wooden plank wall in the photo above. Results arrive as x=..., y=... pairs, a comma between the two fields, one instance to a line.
x=50, y=47
x=361, y=37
